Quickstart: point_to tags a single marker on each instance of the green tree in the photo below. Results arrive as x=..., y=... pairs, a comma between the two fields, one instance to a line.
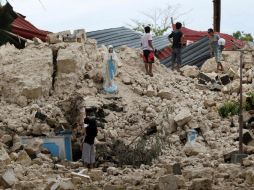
x=241, y=35
x=158, y=19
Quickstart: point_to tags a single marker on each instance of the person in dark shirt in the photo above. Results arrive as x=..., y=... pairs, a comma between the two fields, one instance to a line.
x=176, y=46
x=88, y=151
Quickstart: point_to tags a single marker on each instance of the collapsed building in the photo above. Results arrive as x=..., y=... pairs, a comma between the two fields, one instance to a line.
x=44, y=88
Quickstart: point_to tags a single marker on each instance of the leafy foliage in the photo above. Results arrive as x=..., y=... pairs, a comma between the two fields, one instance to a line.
x=229, y=108
x=158, y=19
x=243, y=36
x=143, y=152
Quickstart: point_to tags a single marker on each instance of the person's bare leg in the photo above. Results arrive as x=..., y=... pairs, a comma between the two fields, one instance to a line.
x=222, y=69
x=151, y=69
x=178, y=67
x=89, y=167
x=147, y=69
x=174, y=65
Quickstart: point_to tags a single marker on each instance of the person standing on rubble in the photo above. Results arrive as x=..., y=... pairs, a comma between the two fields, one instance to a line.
x=148, y=51
x=177, y=36
x=88, y=149
x=215, y=48
x=110, y=71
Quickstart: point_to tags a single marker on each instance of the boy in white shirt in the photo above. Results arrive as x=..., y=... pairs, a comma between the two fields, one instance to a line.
x=148, y=50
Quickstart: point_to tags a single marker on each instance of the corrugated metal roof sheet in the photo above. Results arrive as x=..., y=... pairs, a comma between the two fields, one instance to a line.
x=23, y=28
x=116, y=37
x=194, y=35
x=124, y=36
x=194, y=54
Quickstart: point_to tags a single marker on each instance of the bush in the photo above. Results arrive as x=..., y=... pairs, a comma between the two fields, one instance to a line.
x=143, y=152
x=229, y=108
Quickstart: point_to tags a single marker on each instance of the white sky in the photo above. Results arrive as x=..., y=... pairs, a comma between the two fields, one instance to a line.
x=60, y=15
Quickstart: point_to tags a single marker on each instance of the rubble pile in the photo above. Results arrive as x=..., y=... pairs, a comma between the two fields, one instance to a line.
x=163, y=107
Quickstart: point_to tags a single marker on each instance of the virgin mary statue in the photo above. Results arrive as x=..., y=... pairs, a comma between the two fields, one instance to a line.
x=110, y=71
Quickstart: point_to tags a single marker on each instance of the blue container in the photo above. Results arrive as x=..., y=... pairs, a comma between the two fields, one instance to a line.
x=191, y=136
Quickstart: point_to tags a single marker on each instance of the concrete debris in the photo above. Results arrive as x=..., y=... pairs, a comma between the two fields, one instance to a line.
x=23, y=158
x=48, y=90
x=9, y=178
x=4, y=157
x=183, y=117
x=168, y=182
x=201, y=184
x=33, y=147
x=190, y=71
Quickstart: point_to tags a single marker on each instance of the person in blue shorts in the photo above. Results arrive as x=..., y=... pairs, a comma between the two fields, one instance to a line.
x=215, y=48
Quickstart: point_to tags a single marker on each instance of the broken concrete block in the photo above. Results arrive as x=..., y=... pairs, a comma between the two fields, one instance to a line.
x=96, y=174
x=138, y=90
x=168, y=182
x=150, y=91
x=201, y=184
x=4, y=157
x=190, y=71
x=37, y=41
x=183, y=117
x=16, y=147
x=23, y=158
x=205, y=77
x=80, y=35
x=33, y=147
x=66, y=65
x=231, y=73
x=32, y=92
x=173, y=168
x=166, y=94
x=9, y=178
x=53, y=38
x=6, y=139
x=60, y=183
x=249, y=176
x=13, y=156
x=209, y=103
x=209, y=66
x=225, y=79
x=126, y=80
x=234, y=86
x=169, y=125
x=199, y=172
x=193, y=149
